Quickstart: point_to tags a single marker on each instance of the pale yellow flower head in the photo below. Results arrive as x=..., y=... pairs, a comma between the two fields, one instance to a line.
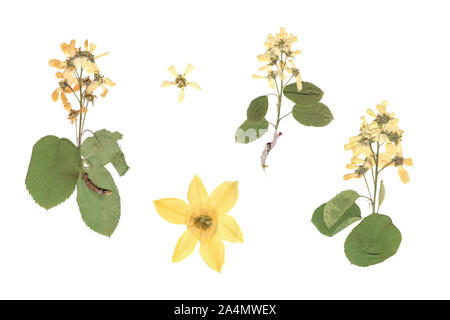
x=207, y=221
x=279, y=58
x=379, y=142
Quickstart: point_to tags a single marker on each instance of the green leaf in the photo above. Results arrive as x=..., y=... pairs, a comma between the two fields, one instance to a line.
x=374, y=240
x=250, y=131
x=382, y=194
x=100, y=212
x=53, y=171
x=314, y=115
x=351, y=215
x=258, y=109
x=103, y=148
x=336, y=207
x=309, y=95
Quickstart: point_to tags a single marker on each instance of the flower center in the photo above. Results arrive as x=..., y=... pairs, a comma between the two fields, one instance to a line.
x=203, y=222
x=394, y=137
x=180, y=81
x=398, y=161
x=382, y=119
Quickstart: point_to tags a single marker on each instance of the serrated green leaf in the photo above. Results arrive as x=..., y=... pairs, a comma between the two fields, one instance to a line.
x=118, y=161
x=353, y=214
x=336, y=207
x=382, y=194
x=102, y=148
x=373, y=241
x=315, y=115
x=309, y=95
x=53, y=171
x=250, y=131
x=258, y=109
x=100, y=212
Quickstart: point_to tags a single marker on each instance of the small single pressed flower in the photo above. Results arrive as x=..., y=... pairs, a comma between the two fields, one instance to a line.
x=207, y=221
x=181, y=81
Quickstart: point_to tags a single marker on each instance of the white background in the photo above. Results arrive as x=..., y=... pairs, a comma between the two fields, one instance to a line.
x=358, y=52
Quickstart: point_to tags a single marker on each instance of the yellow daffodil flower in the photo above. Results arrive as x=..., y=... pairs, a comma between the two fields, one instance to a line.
x=180, y=81
x=206, y=219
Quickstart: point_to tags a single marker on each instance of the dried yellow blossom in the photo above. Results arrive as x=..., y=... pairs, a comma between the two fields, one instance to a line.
x=279, y=58
x=181, y=81
x=381, y=133
x=71, y=77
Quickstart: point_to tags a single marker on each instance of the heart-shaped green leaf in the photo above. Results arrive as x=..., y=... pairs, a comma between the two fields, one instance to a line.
x=53, y=171
x=336, y=207
x=353, y=214
x=309, y=95
x=314, y=115
x=374, y=240
x=100, y=212
x=258, y=109
x=250, y=131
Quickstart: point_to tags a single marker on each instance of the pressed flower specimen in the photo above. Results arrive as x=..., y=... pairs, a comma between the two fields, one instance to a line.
x=284, y=78
x=207, y=221
x=180, y=81
x=377, y=147
x=57, y=165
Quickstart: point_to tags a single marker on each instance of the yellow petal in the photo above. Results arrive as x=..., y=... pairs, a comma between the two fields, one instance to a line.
x=86, y=45
x=299, y=82
x=173, y=71
x=185, y=246
x=408, y=162
x=109, y=82
x=105, y=91
x=229, y=229
x=371, y=113
x=197, y=193
x=403, y=174
x=255, y=76
x=55, y=63
x=167, y=84
x=101, y=55
x=350, y=176
x=194, y=85
x=92, y=47
x=382, y=107
x=224, y=197
x=188, y=69
x=181, y=95
x=350, y=166
x=55, y=95
x=172, y=210
x=65, y=49
x=91, y=67
x=213, y=253
x=72, y=49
